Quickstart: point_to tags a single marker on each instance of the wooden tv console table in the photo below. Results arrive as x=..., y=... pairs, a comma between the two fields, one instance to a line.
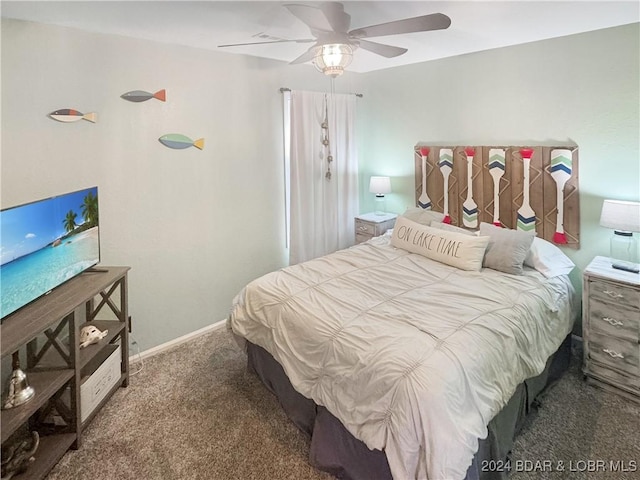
x=56, y=367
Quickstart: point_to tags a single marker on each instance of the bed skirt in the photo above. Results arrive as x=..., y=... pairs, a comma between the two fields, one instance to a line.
x=336, y=451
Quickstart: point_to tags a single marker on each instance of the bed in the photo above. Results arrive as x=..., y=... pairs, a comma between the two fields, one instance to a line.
x=399, y=365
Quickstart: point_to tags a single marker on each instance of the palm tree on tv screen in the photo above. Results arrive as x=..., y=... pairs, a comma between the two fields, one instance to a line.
x=90, y=209
x=70, y=221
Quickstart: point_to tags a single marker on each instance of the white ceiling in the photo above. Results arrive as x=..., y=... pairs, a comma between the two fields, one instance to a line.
x=475, y=25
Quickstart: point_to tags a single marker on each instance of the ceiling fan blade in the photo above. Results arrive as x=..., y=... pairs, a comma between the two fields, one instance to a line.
x=434, y=21
x=305, y=57
x=313, y=17
x=387, y=51
x=336, y=16
x=304, y=40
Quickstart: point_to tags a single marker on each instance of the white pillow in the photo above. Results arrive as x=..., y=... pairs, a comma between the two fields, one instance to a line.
x=422, y=216
x=456, y=249
x=452, y=228
x=548, y=259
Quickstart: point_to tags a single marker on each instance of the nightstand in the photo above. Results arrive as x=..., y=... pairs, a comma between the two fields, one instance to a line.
x=611, y=328
x=369, y=225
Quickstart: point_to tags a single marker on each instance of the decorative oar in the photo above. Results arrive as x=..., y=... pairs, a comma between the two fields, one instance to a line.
x=561, y=172
x=496, y=170
x=424, y=201
x=446, y=166
x=526, y=215
x=469, y=206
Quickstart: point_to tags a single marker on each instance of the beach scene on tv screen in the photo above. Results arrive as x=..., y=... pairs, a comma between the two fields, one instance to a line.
x=46, y=243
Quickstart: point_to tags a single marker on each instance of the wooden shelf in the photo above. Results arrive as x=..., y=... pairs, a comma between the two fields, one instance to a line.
x=88, y=354
x=114, y=330
x=45, y=385
x=30, y=321
x=57, y=366
x=53, y=360
x=50, y=450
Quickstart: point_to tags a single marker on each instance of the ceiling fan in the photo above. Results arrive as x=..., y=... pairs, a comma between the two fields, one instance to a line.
x=334, y=43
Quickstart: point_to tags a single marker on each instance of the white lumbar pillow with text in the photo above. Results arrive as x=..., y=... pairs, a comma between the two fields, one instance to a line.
x=456, y=249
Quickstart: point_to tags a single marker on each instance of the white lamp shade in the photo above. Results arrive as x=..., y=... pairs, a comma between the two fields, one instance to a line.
x=380, y=185
x=620, y=215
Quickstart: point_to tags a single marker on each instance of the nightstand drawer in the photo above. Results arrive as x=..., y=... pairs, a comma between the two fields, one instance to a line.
x=615, y=294
x=614, y=320
x=360, y=237
x=619, y=354
x=369, y=225
x=608, y=375
x=365, y=227
x=611, y=328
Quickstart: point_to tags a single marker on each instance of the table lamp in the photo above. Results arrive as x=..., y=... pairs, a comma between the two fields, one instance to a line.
x=624, y=218
x=380, y=186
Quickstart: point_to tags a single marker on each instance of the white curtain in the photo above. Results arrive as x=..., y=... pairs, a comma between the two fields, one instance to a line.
x=323, y=193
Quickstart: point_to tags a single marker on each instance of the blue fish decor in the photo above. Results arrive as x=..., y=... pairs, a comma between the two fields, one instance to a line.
x=70, y=115
x=179, y=141
x=140, y=96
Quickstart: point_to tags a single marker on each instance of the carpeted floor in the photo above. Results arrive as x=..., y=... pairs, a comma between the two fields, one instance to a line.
x=195, y=413
x=579, y=432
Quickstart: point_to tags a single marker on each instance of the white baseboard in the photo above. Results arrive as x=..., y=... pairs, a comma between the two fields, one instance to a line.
x=175, y=342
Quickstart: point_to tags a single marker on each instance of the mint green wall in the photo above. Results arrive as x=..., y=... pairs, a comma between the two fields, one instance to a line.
x=195, y=226
x=580, y=88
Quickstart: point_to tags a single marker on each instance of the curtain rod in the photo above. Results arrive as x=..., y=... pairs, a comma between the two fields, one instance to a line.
x=287, y=89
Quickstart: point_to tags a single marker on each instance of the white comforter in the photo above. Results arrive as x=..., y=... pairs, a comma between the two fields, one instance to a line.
x=412, y=356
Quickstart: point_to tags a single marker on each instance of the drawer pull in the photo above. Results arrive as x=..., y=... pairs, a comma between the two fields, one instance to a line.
x=612, y=294
x=362, y=228
x=612, y=353
x=613, y=322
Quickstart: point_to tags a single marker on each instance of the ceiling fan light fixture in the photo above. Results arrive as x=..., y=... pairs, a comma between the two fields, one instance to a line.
x=333, y=58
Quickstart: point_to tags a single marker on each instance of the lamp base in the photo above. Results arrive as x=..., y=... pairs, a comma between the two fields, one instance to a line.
x=379, y=205
x=624, y=247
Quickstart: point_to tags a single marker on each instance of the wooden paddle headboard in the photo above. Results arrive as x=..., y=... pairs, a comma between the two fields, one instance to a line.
x=552, y=183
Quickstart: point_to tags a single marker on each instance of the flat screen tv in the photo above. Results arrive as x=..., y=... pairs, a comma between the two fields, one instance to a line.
x=45, y=243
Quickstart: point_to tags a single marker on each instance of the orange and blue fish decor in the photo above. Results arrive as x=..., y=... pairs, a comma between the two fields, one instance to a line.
x=71, y=115
x=177, y=140
x=141, y=96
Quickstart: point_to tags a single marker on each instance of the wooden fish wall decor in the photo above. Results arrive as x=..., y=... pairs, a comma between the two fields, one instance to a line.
x=70, y=115
x=529, y=188
x=171, y=140
x=141, y=96
x=179, y=141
